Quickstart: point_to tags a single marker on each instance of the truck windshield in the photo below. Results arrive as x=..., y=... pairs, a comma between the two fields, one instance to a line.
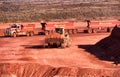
x=59, y=30
x=14, y=26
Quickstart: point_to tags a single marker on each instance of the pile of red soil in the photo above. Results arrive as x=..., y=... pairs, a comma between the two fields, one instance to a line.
x=36, y=70
x=111, y=45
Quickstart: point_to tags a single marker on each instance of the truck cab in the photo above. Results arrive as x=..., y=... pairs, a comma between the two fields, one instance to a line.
x=12, y=30
x=19, y=29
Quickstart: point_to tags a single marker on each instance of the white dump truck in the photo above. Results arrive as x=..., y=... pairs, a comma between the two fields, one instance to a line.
x=19, y=29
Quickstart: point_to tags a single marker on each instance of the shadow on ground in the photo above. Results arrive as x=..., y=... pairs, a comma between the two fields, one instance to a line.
x=108, y=48
x=39, y=47
x=100, y=53
x=93, y=50
x=34, y=46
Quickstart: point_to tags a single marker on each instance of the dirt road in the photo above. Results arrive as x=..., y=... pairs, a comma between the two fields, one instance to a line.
x=22, y=56
x=30, y=50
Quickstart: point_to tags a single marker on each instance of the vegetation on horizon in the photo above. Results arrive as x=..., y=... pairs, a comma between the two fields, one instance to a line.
x=29, y=12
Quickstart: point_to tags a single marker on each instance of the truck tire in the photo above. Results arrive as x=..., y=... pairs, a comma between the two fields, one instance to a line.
x=28, y=33
x=58, y=44
x=46, y=32
x=31, y=33
x=14, y=34
x=70, y=31
x=89, y=30
x=67, y=31
x=48, y=45
x=69, y=42
x=109, y=29
x=63, y=45
x=94, y=30
x=74, y=31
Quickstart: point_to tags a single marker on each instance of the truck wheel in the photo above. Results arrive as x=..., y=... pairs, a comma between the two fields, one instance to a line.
x=14, y=35
x=89, y=30
x=58, y=44
x=70, y=31
x=94, y=31
x=63, y=45
x=109, y=29
x=46, y=32
x=49, y=45
x=69, y=42
x=74, y=31
x=67, y=31
x=28, y=34
x=31, y=33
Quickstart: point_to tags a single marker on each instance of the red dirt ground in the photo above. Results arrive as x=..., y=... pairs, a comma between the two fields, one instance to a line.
x=26, y=57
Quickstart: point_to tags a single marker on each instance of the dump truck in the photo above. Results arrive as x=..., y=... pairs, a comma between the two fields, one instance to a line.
x=18, y=29
x=48, y=27
x=87, y=26
x=98, y=26
x=58, y=38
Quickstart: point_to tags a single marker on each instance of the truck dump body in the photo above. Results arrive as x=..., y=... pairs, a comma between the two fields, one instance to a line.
x=66, y=25
x=103, y=24
x=73, y=27
x=69, y=27
x=29, y=27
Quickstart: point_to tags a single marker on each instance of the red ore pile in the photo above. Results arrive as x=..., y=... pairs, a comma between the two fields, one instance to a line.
x=111, y=46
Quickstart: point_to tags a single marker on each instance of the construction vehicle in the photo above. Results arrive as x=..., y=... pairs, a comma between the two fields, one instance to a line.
x=88, y=26
x=71, y=27
x=58, y=38
x=48, y=27
x=19, y=29
x=98, y=26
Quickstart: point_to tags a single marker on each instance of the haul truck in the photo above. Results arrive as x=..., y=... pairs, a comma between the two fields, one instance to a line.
x=74, y=27
x=48, y=27
x=19, y=29
x=95, y=26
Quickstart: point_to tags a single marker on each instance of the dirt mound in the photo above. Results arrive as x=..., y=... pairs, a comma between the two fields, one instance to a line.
x=36, y=70
x=111, y=45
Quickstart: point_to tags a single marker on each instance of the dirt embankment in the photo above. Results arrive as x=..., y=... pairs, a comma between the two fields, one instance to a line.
x=26, y=58
x=36, y=70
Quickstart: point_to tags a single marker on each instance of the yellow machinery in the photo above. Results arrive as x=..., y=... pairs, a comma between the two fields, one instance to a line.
x=58, y=38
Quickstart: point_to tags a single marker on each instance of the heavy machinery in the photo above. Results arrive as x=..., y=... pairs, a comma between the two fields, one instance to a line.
x=98, y=26
x=18, y=29
x=58, y=38
x=48, y=27
x=74, y=27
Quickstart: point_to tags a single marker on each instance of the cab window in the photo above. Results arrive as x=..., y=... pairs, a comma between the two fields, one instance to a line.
x=14, y=26
x=59, y=30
